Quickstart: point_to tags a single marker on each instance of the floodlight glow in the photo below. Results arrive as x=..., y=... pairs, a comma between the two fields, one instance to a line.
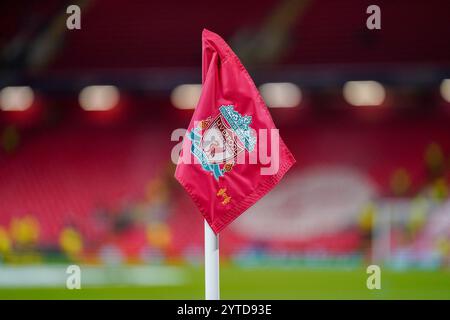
x=281, y=94
x=445, y=90
x=364, y=93
x=16, y=98
x=99, y=98
x=186, y=96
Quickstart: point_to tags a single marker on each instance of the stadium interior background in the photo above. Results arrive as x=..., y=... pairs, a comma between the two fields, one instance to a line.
x=86, y=175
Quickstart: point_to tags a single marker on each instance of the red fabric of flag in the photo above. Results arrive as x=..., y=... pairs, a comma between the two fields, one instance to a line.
x=232, y=154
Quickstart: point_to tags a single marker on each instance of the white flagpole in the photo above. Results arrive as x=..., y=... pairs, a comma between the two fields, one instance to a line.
x=211, y=264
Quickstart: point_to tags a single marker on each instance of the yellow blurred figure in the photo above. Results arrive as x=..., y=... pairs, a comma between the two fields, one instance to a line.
x=443, y=246
x=418, y=215
x=10, y=139
x=158, y=235
x=70, y=242
x=157, y=191
x=5, y=242
x=25, y=231
x=400, y=182
x=367, y=217
x=434, y=157
x=439, y=189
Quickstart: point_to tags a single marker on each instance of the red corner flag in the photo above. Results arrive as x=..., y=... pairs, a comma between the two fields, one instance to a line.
x=233, y=154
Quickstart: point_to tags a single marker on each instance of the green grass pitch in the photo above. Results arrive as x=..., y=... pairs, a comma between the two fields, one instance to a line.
x=267, y=283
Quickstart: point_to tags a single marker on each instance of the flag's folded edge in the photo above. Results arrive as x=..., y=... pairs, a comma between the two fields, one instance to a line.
x=260, y=191
x=269, y=181
x=214, y=39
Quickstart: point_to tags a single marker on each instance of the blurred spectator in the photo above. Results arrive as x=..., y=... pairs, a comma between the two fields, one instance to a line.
x=71, y=243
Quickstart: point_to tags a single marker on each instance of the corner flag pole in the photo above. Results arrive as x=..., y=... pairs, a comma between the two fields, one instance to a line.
x=211, y=264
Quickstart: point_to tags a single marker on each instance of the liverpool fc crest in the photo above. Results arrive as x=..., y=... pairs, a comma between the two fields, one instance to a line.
x=216, y=142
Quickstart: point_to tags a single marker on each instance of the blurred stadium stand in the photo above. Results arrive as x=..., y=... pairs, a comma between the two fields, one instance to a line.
x=98, y=186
